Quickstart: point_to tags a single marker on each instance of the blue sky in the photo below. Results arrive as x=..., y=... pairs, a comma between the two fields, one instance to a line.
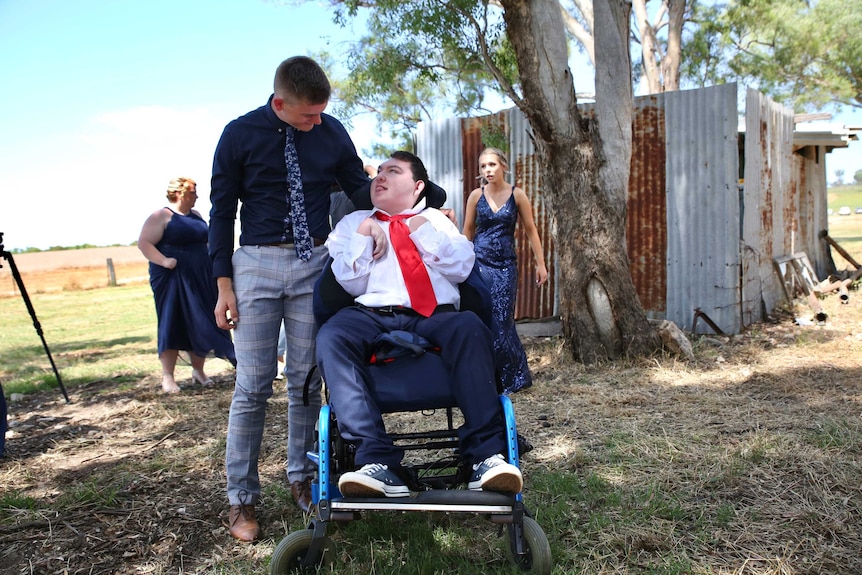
x=103, y=102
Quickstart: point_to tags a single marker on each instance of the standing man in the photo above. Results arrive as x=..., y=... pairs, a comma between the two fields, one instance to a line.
x=280, y=161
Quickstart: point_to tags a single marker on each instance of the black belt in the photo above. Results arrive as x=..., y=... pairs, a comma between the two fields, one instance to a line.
x=315, y=241
x=400, y=309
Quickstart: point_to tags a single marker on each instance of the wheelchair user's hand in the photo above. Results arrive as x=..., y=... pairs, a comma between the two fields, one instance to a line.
x=416, y=222
x=370, y=227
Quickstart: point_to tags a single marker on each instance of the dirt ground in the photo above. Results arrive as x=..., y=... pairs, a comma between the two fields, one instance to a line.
x=134, y=479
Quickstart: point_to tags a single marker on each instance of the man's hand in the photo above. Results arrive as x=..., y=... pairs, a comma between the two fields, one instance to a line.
x=370, y=227
x=226, y=314
x=449, y=213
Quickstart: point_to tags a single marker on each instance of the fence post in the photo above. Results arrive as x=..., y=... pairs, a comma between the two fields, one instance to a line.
x=112, y=276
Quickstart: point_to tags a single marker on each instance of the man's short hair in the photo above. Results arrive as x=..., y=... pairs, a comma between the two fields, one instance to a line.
x=301, y=79
x=416, y=165
x=417, y=168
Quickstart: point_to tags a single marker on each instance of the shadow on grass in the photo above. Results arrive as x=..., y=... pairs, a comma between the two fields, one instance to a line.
x=86, y=350
x=669, y=477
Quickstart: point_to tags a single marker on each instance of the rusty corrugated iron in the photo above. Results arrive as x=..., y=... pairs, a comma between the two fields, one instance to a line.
x=772, y=207
x=646, y=216
x=708, y=207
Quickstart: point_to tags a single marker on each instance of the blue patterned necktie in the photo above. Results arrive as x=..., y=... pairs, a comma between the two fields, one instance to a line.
x=296, y=199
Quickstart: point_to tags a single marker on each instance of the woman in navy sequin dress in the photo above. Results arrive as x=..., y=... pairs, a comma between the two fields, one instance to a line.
x=174, y=240
x=491, y=214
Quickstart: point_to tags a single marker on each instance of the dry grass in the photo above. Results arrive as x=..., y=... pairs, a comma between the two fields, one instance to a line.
x=747, y=461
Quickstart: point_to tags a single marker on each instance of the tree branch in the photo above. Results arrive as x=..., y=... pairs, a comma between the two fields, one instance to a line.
x=486, y=55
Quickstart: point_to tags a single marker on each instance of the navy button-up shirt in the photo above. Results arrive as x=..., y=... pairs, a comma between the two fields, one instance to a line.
x=249, y=168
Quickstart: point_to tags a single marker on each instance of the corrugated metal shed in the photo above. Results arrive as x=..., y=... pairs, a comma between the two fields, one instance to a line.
x=702, y=206
x=710, y=203
x=439, y=146
x=768, y=201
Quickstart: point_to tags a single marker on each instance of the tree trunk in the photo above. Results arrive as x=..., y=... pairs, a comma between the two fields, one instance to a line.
x=585, y=166
x=661, y=71
x=649, y=58
x=673, y=58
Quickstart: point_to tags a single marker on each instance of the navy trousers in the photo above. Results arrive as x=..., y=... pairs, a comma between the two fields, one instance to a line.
x=343, y=351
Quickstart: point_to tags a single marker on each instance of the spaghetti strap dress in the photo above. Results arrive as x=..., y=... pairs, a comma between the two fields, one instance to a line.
x=494, y=243
x=186, y=295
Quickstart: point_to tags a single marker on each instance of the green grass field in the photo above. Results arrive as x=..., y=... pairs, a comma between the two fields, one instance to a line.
x=850, y=196
x=92, y=335
x=846, y=230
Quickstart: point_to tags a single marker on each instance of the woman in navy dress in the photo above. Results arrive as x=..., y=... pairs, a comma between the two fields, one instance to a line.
x=174, y=240
x=491, y=214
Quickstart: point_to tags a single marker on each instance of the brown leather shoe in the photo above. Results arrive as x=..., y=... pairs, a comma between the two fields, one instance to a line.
x=301, y=492
x=243, y=523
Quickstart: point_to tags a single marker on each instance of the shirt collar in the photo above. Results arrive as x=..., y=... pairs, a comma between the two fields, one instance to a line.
x=412, y=211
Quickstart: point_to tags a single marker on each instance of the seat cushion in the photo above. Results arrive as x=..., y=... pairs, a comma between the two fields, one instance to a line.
x=412, y=384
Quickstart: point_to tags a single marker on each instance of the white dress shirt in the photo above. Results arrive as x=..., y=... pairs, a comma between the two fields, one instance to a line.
x=447, y=254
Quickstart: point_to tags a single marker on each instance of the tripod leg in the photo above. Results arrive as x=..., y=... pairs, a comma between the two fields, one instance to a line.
x=2, y=423
x=36, y=324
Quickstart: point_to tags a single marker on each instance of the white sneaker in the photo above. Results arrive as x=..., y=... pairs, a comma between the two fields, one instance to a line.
x=495, y=474
x=372, y=480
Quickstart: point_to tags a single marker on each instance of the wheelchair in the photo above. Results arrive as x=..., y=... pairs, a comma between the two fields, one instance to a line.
x=436, y=484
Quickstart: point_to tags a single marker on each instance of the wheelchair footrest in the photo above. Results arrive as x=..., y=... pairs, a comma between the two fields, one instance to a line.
x=449, y=501
x=464, y=496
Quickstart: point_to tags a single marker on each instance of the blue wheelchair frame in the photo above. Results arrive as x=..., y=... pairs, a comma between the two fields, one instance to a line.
x=326, y=486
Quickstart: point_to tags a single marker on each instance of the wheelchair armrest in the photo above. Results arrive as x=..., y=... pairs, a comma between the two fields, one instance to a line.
x=329, y=296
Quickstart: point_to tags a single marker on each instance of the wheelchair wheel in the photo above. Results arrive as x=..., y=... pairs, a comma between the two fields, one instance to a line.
x=291, y=551
x=538, y=551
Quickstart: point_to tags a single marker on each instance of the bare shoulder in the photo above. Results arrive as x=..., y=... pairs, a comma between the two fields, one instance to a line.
x=161, y=215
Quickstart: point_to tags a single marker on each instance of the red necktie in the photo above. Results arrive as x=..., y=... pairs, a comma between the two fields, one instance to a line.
x=422, y=298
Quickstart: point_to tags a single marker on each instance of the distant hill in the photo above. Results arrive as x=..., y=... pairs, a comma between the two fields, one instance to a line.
x=76, y=258
x=71, y=270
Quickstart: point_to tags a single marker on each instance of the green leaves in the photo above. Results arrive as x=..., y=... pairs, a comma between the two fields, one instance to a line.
x=806, y=56
x=418, y=61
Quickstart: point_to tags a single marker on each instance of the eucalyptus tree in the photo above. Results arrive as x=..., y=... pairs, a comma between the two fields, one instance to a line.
x=447, y=53
x=656, y=29
x=807, y=55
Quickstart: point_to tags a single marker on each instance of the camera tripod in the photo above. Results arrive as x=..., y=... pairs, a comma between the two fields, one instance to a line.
x=15, y=274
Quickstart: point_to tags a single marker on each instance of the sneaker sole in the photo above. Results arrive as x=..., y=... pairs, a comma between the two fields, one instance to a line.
x=363, y=486
x=503, y=481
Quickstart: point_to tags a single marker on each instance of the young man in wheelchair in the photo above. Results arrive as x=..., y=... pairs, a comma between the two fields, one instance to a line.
x=402, y=262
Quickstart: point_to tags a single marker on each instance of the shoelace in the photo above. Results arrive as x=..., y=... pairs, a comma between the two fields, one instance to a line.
x=492, y=461
x=372, y=468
